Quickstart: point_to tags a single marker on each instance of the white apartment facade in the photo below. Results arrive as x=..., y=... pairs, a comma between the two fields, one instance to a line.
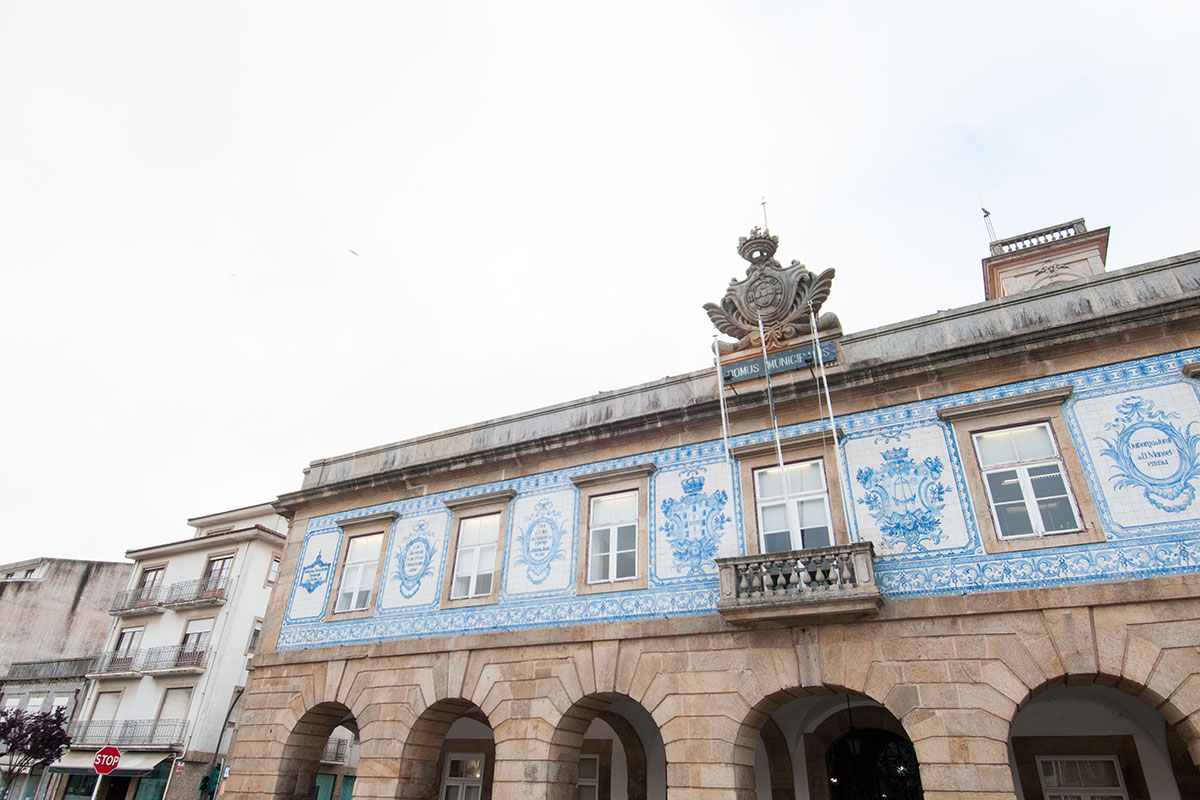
x=165, y=689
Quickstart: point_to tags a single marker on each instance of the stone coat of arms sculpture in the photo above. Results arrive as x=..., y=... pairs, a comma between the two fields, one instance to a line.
x=781, y=296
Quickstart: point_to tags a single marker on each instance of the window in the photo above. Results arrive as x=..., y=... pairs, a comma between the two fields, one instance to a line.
x=1025, y=482
x=463, y=777
x=612, y=538
x=105, y=709
x=148, y=585
x=793, y=510
x=35, y=703
x=798, y=507
x=125, y=652
x=61, y=701
x=29, y=573
x=1081, y=778
x=11, y=702
x=358, y=577
x=1027, y=486
x=255, y=635
x=196, y=634
x=475, y=556
x=589, y=778
x=273, y=571
x=216, y=574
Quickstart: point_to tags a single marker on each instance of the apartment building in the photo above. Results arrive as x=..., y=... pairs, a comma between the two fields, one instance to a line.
x=165, y=687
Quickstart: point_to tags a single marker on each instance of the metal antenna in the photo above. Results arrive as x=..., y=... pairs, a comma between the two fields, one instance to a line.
x=766, y=226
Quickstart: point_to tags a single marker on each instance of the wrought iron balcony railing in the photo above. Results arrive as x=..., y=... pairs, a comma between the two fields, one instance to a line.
x=205, y=590
x=47, y=670
x=834, y=581
x=139, y=732
x=335, y=751
x=143, y=600
x=178, y=658
x=116, y=661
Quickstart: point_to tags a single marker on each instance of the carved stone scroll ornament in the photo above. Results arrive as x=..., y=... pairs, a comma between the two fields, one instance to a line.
x=780, y=295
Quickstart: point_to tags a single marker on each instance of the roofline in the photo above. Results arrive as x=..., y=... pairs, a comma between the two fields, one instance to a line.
x=205, y=542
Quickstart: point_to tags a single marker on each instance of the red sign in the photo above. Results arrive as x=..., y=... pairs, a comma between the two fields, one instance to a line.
x=106, y=760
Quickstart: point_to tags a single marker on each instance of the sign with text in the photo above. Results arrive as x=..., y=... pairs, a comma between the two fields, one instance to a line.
x=106, y=760
x=784, y=361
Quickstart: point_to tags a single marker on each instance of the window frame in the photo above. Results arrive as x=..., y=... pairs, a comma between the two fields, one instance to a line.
x=450, y=757
x=1029, y=498
x=354, y=529
x=226, y=574
x=817, y=446
x=1045, y=406
x=606, y=483
x=273, y=568
x=464, y=508
x=158, y=586
x=1088, y=793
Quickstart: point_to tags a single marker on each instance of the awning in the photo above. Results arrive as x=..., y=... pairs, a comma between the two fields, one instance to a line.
x=134, y=763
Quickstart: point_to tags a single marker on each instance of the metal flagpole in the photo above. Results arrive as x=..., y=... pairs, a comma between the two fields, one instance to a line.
x=721, y=395
x=771, y=400
x=837, y=453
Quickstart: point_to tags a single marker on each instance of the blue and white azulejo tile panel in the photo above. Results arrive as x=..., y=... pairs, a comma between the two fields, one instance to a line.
x=1134, y=425
x=905, y=495
x=692, y=520
x=541, y=546
x=1144, y=446
x=413, y=569
x=314, y=574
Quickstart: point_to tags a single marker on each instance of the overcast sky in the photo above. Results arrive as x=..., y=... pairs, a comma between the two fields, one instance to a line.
x=540, y=196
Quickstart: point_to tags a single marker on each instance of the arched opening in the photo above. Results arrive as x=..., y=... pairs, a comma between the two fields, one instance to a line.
x=1095, y=741
x=450, y=754
x=310, y=768
x=821, y=744
x=608, y=747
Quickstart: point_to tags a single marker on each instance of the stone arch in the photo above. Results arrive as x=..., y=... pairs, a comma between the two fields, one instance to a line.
x=828, y=719
x=1168, y=701
x=303, y=747
x=421, y=758
x=630, y=722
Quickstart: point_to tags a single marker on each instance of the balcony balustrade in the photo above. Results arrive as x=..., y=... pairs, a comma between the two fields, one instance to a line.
x=824, y=582
x=195, y=593
x=180, y=658
x=116, y=662
x=143, y=600
x=335, y=751
x=48, y=670
x=163, y=733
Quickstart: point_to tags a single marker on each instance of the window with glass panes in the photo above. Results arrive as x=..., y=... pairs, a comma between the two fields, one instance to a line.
x=589, y=778
x=149, y=584
x=475, y=558
x=1025, y=482
x=793, y=508
x=612, y=538
x=358, y=576
x=1081, y=778
x=217, y=573
x=463, y=777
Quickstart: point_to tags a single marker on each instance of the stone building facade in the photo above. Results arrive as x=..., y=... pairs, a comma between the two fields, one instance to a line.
x=979, y=577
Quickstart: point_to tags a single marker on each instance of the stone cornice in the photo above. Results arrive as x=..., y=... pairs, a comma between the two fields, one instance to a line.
x=1020, y=402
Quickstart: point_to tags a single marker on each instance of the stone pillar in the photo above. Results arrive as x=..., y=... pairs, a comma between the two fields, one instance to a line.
x=963, y=754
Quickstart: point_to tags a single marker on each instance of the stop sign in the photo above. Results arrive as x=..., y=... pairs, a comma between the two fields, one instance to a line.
x=106, y=760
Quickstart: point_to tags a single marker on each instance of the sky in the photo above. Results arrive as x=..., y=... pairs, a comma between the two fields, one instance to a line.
x=236, y=237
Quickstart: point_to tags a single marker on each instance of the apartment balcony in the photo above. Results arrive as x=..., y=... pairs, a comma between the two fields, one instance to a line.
x=204, y=592
x=116, y=664
x=141, y=733
x=136, y=602
x=819, y=584
x=174, y=660
x=47, y=670
x=335, y=751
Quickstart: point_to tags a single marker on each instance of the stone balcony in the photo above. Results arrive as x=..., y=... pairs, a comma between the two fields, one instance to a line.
x=203, y=592
x=135, y=602
x=60, y=669
x=141, y=733
x=819, y=584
